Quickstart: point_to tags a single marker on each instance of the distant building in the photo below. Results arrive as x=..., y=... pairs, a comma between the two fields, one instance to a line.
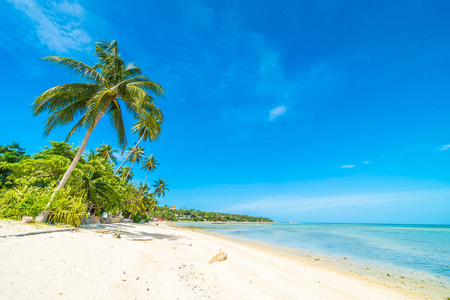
x=172, y=207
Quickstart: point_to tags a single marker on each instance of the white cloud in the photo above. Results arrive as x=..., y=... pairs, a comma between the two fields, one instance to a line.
x=366, y=162
x=446, y=147
x=347, y=166
x=57, y=26
x=70, y=8
x=277, y=111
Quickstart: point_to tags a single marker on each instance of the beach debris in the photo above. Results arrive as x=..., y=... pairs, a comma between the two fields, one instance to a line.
x=116, y=235
x=221, y=256
x=137, y=278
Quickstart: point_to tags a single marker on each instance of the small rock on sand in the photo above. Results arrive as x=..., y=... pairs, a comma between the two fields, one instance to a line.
x=221, y=256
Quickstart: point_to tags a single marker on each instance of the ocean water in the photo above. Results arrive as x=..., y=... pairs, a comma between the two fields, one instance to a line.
x=420, y=248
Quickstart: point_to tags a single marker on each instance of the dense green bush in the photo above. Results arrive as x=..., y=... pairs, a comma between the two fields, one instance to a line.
x=30, y=181
x=23, y=200
x=69, y=207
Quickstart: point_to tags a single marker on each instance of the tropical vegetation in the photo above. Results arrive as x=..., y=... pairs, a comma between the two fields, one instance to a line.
x=194, y=215
x=92, y=189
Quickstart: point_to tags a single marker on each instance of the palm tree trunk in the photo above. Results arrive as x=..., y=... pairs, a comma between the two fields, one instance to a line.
x=146, y=178
x=129, y=171
x=44, y=214
x=129, y=154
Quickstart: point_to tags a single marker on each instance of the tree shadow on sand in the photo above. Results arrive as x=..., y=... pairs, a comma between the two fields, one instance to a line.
x=137, y=235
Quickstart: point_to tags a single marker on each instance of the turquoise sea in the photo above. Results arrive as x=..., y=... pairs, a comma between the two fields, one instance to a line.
x=422, y=249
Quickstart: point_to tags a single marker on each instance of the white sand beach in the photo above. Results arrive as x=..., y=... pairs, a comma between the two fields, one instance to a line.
x=152, y=261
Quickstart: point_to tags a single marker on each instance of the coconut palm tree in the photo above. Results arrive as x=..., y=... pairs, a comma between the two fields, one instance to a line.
x=148, y=128
x=125, y=173
x=143, y=188
x=160, y=188
x=98, y=191
x=91, y=156
x=112, y=84
x=137, y=154
x=149, y=165
x=106, y=152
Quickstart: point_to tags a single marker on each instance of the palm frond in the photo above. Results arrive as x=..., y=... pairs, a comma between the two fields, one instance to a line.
x=149, y=85
x=77, y=67
x=80, y=124
x=148, y=127
x=65, y=116
x=132, y=70
x=95, y=105
x=63, y=95
x=115, y=114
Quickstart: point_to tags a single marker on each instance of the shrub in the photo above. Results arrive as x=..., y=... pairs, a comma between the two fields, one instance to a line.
x=69, y=207
x=22, y=201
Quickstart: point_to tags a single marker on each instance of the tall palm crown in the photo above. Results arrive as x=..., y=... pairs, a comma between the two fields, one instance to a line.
x=106, y=152
x=149, y=165
x=125, y=173
x=148, y=125
x=160, y=188
x=137, y=154
x=111, y=81
x=111, y=85
x=148, y=128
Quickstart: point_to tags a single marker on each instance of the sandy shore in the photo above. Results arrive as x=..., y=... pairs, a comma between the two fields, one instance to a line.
x=162, y=262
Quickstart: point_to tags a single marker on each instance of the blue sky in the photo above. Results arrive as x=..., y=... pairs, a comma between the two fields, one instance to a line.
x=319, y=111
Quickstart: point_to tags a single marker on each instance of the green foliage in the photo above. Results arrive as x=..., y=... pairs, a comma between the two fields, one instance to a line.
x=9, y=154
x=58, y=148
x=69, y=207
x=137, y=218
x=160, y=187
x=92, y=186
x=125, y=173
x=193, y=215
x=38, y=172
x=106, y=152
x=23, y=200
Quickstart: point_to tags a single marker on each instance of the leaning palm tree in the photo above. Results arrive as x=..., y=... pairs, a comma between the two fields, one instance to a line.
x=148, y=128
x=125, y=173
x=160, y=188
x=137, y=154
x=106, y=152
x=149, y=165
x=112, y=84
